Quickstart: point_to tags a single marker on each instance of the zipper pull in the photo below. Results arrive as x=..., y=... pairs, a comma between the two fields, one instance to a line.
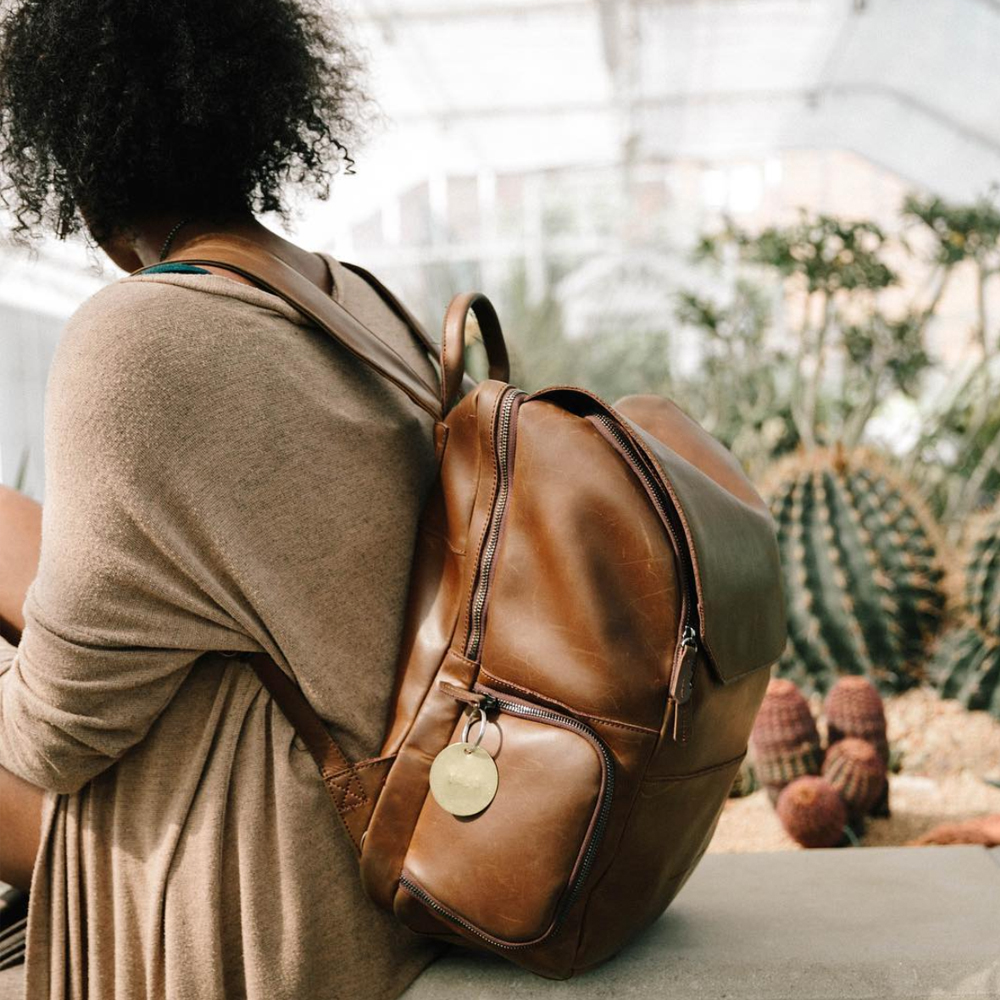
x=484, y=702
x=682, y=684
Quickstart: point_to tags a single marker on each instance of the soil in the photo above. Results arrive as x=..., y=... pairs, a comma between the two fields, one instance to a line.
x=946, y=756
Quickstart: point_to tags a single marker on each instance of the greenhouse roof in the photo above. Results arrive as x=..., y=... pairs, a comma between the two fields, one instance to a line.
x=480, y=87
x=526, y=84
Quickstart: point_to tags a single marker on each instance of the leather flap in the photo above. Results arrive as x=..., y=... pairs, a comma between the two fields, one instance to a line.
x=730, y=533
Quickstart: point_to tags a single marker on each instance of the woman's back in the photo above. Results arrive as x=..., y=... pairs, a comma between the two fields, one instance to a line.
x=222, y=477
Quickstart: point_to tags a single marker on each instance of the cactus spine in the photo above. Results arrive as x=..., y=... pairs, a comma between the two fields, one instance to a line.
x=863, y=582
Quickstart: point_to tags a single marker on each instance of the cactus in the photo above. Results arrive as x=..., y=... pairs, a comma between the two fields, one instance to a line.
x=813, y=813
x=863, y=582
x=857, y=771
x=968, y=669
x=784, y=743
x=967, y=660
x=745, y=782
x=853, y=708
x=983, y=830
x=982, y=576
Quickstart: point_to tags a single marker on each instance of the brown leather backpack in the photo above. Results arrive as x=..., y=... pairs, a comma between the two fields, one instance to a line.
x=595, y=600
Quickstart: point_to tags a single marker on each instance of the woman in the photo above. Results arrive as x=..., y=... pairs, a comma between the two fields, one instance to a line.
x=220, y=476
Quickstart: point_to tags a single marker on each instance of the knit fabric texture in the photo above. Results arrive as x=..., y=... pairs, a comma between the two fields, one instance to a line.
x=220, y=476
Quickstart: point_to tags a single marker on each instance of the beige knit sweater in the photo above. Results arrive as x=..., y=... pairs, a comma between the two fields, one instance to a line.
x=220, y=476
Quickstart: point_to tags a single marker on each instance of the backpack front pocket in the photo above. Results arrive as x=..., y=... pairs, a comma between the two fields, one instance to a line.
x=509, y=874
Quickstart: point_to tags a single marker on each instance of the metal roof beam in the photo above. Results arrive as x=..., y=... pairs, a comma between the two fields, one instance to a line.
x=401, y=15
x=807, y=95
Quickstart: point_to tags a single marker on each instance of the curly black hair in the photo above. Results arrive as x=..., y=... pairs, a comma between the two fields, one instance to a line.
x=110, y=109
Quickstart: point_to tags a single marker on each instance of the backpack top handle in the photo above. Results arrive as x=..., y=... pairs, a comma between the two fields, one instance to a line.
x=453, y=344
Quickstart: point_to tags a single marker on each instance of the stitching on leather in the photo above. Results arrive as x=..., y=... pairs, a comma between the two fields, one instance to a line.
x=645, y=730
x=664, y=778
x=374, y=762
x=349, y=799
x=500, y=682
x=341, y=801
x=444, y=369
x=342, y=781
x=354, y=768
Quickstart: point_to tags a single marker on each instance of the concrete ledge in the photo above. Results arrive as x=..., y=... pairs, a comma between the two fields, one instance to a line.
x=859, y=923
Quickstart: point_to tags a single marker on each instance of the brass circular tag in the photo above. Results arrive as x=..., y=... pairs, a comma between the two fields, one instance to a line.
x=464, y=779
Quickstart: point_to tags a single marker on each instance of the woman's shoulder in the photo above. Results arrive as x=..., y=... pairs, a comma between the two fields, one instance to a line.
x=141, y=300
x=151, y=320
x=144, y=349
x=174, y=331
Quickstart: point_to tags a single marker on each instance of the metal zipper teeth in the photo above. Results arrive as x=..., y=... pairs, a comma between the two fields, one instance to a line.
x=567, y=721
x=499, y=506
x=516, y=708
x=429, y=901
x=665, y=507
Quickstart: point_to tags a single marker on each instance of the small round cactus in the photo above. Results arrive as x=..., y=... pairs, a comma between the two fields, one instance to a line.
x=784, y=743
x=813, y=813
x=855, y=769
x=983, y=830
x=853, y=708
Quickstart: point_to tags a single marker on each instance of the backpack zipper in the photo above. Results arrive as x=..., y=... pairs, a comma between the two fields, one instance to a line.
x=488, y=702
x=501, y=440
x=568, y=722
x=681, y=686
x=682, y=670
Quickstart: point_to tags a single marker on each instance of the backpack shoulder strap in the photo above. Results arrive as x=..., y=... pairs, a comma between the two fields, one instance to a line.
x=274, y=275
x=354, y=788
x=414, y=325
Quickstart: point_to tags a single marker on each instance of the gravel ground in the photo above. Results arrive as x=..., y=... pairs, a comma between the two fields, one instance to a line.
x=946, y=752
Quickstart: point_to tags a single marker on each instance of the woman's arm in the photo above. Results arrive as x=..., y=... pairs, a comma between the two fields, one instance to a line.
x=132, y=584
x=20, y=803
x=20, y=543
x=20, y=829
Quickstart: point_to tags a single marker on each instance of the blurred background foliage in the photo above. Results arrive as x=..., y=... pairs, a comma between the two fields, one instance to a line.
x=809, y=330
x=774, y=213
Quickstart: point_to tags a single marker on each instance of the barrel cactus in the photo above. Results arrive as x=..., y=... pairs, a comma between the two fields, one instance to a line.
x=967, y=660
x=784, y=744
x=863, y=581
x=813, y=813
x=745, y=782
x=968, y=665
x=856, y=770
x=853, y=708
